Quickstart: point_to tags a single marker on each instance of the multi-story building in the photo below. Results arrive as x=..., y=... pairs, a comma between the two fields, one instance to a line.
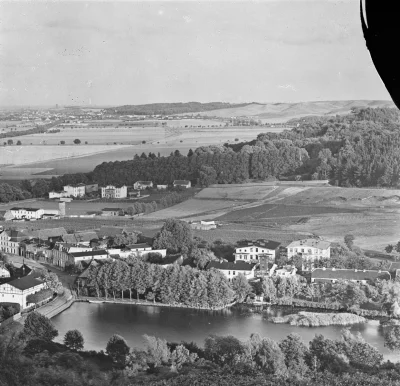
x=62, y=251
x=310, y=250
x=10, y=240
x=253, y=250
x=77, y=190
x=26, y=213
x=232, y=269
x=111, y=191
x=17, y=290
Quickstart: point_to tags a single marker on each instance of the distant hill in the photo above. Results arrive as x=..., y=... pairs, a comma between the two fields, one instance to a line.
x=286, y=111
x=172, y=108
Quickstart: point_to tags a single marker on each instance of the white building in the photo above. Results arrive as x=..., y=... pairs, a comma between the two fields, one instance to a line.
x=4, y=272
x=61, y=194
x=77, y=257
x=17, y=290
x=183, y=183
x=27, y=213
x=141, y=185
x=77, y=190
x=362, y=276
x=251, y=250
x=286, y=271
x=111, y=191
x=232, y=269
x=310, y=250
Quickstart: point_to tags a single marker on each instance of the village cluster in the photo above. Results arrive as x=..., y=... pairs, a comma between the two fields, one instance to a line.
x=79, y=250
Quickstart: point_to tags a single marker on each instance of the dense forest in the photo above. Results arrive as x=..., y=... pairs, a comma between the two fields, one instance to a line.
x=170, y=108
x=359, y=149
x=30, y=358
x=355, y=150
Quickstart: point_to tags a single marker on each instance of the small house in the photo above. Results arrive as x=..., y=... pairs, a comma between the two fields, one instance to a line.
x=232, y=269
x=182, y=183
x=141, y=185
x=111, y=211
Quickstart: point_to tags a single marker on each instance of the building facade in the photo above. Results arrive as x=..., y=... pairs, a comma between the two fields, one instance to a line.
x=17, y=290
x=232, y=269
x=252, y=250
x=310, y=250
x=27, y=213
x=141, y=185
x=332, y=275
x=182, y=183
x=77, y=190
x=111, y=191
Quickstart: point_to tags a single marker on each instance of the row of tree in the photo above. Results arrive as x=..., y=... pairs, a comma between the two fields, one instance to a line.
x=169, y=285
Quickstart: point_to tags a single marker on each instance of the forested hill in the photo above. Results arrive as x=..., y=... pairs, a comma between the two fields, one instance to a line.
x=170, y=108
x=360, y=149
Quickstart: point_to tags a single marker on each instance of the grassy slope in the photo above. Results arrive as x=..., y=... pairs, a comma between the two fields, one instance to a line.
x=291, y=110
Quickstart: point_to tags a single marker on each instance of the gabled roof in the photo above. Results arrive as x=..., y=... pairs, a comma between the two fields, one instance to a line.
x=25, y=282
x=27, y=209
x=232, y=266
x=268, y=244
x=47, y=233
x=310, y=243
x=144, y=182
x=348, y=274
x=140, y=245
x=89, y=253
x=181, y=182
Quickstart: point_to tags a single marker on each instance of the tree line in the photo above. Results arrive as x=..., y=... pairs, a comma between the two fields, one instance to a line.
x=174, y=285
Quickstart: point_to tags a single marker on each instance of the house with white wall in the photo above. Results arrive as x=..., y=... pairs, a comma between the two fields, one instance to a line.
x=76, y=190
x=141, y=185
x=182, y=183
x=251, y=250
x=26, y=213
x=310, y=250
x=232, y=269
x=17, y=290
x=111, y=191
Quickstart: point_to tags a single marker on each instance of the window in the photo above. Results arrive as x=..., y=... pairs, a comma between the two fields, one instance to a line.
x=229, y=272
x=256, y=249
x=233, y=273
x=302, y=249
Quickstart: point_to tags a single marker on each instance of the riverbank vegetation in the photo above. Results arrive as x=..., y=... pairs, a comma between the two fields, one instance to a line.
x=315, y=319
x=31, y=359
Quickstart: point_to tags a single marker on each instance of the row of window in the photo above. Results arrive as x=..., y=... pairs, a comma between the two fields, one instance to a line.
x=308, y=250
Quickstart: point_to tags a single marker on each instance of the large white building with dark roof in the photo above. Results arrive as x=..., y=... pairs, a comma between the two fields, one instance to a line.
x=310, y=250
x=251, y=250
x=17, y=290
x=232, y=269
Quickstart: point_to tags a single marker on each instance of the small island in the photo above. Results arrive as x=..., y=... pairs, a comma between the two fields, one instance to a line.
x=318, y=319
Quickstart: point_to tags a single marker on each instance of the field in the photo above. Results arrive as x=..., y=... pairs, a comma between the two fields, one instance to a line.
x=193, y=207
x=285, y=111
x=52, y=159
x=284, y=212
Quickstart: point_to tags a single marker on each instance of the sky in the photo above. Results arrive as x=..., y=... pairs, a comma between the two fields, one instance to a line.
x=116, y=53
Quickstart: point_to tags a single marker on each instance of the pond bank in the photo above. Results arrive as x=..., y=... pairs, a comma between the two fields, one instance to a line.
x=88, y=299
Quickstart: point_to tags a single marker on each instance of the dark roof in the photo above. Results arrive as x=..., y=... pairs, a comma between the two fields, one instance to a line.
x=89, y=253
x=47, y=233
x=144, y=182
x=141, y=245
x=269, y=244
x=348, y=274
x=25, y=282
x=27, y=209
x=181, y=182
x=234, y=266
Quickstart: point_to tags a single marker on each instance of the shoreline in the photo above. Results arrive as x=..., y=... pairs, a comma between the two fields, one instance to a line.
x=95, y=300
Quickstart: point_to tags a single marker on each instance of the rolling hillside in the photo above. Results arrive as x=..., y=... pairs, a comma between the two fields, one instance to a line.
x=287, y=111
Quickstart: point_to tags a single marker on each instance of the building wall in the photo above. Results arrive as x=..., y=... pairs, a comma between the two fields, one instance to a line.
x=8, y=246
x=75, y=191
x=252, y=252
x=111, y=191
x=22, y=213
x=309, y=254
x=11, y=294
x=231, y=274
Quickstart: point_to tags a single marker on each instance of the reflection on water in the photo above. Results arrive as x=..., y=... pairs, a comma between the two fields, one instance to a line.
x=98, y=322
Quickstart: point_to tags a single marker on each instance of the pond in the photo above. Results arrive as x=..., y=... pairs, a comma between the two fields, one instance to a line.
x=98, y=322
